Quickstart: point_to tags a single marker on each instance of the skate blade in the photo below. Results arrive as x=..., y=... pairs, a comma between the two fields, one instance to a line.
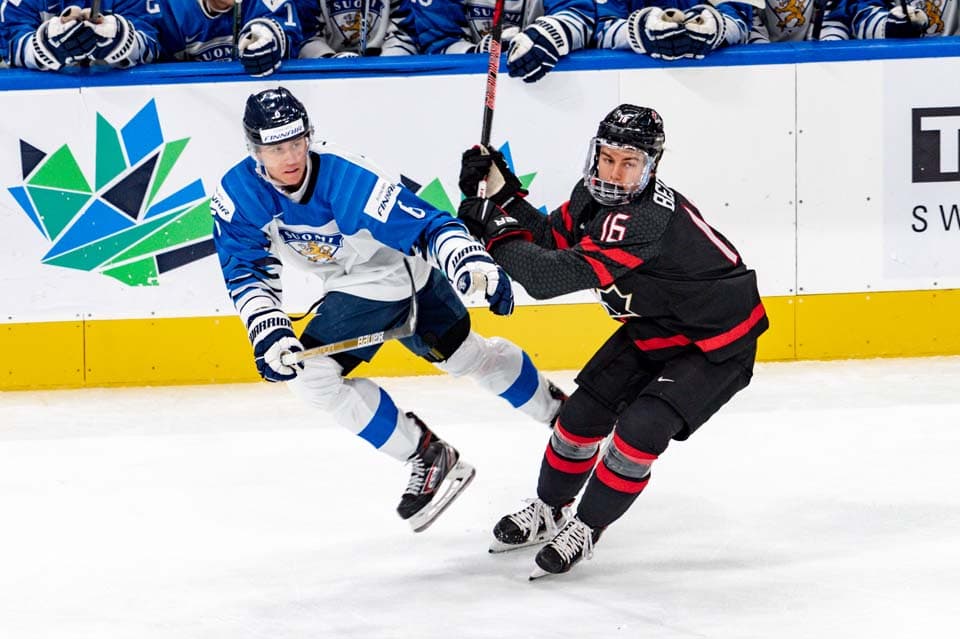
x=539, y=572
x=497, y=546
x=453, y=484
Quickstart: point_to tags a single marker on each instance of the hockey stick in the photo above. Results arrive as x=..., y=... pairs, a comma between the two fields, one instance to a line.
x=237, y=18
x=364, y=8
x=490, y=98
x=95, y=11
x=406, y=329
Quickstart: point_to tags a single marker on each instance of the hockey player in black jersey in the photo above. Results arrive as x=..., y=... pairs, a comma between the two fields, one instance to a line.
x=689, y=314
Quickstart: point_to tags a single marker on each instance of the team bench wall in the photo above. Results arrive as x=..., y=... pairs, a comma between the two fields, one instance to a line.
x=814, y=160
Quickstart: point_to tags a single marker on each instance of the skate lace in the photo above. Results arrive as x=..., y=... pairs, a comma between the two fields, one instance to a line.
x=418, y=474
x=574, y=537
x=528, y=519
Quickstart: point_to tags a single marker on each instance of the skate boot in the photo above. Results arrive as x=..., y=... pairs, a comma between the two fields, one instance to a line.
x=556, y=393
x=532, y=525
x=437, y=477
x=574, y=542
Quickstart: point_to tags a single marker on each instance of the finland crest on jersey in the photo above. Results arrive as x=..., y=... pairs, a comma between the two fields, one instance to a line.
x=316, y=247
x=480, y=16
x=346, y=15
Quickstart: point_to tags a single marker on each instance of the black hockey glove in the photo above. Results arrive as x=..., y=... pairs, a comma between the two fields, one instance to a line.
x=479, y=163
x=262, y=46
x=63, y=39
x=489, y=223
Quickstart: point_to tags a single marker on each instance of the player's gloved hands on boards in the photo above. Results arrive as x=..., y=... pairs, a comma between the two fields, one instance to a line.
x=272, y=335
x=63, y=39
x=483, y=162
x=658, y=33
x=480, y=274
x=535, y=50
x=912, y=24
x=116, y=39
x=262, y=45
x=489, y=223
x=508, y=34
x=706, y=29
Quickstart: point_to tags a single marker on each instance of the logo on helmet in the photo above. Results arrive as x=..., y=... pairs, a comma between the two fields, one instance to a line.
x=284, y=132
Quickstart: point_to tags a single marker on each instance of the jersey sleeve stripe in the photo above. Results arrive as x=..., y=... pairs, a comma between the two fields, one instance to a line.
x=617, y=255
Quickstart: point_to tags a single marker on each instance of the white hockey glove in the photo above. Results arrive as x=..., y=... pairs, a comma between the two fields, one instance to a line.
x=506, y=37
x=262, y=45
x=535, y=50
x=63, y=40
x=346, y=54
x=272, y=335
x=913, y=24
x=482, y=275
x=706, y=29
x=117, y=43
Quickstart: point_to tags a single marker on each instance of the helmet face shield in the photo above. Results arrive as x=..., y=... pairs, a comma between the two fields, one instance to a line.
x=616, y=173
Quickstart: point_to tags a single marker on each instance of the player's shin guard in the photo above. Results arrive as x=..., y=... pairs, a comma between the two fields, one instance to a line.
x=567, y=462
x=619, y=479
x=501, y=367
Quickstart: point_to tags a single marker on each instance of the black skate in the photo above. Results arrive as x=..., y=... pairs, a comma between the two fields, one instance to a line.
x=574, y=542
x=437, y=477
x=532, y=525
x=556, y=393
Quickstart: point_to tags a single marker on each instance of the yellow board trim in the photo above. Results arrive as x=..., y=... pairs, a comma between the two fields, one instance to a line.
x=202, y=350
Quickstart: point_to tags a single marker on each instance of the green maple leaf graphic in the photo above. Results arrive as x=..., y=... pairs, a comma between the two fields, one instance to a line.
x=116, y=227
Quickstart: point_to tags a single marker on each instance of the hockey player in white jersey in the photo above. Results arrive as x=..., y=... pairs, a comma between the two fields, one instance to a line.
x=672, y=29
x=52, y=35
x=350, y=29
x=796, y=20
x=538, y=32
x=261, y=33
x=364, y=237
x=881, y=19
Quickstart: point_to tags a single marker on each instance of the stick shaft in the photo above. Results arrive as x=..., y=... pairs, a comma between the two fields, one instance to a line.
x=407, y=329
x=493, y=68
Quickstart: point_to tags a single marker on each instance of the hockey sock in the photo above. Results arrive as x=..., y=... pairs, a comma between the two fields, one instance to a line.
x=567, y=462
x=620, y=477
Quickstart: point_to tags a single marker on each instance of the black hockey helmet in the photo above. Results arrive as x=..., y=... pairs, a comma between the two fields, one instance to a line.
x=636, y=130
x=635, y=126
x=274, y=116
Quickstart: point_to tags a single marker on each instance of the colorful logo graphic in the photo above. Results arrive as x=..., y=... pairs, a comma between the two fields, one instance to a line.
x=434, y=194
x=117, y=227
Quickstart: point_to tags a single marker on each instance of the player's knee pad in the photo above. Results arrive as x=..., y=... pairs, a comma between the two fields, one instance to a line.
x=477, y=355
x=319, y=383
x=648, y=424
x=584, y=416
x=445, y=346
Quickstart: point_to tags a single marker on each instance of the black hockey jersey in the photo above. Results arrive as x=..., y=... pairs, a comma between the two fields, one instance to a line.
x=655, y=264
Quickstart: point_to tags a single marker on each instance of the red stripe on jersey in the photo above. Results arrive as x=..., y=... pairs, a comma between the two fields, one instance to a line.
x=561, y=241
x=605, y=277
x=735, y=333
x=567, y=220
x=633, y=454
x=606, y=476
x=577, y=440
x=617, y=255
x=566, y=466
x=655, y=343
